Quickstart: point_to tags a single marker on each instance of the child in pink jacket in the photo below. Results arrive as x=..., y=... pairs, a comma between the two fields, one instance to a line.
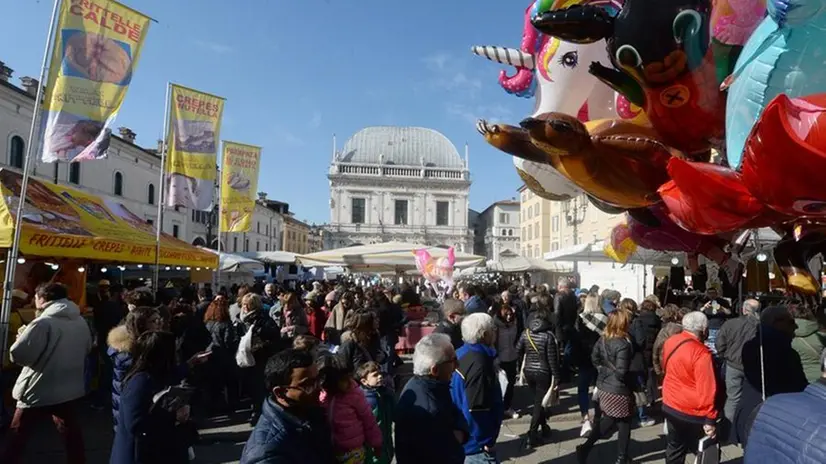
x=351, y=419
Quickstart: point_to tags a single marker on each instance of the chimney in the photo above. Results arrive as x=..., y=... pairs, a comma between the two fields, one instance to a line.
x=5, y=72
x=127, y=134
x=30, y=85
x=262, y=196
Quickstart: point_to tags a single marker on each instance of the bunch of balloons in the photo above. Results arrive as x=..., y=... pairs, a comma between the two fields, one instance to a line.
x=437, y=272
x=634, y=96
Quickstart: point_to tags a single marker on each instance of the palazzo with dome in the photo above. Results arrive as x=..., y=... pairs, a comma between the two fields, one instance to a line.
x=406, y=184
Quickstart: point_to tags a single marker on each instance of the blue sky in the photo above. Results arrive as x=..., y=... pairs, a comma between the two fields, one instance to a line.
x=296, y=71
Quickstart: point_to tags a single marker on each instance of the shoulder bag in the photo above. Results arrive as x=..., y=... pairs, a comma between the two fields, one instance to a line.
x=551, y=397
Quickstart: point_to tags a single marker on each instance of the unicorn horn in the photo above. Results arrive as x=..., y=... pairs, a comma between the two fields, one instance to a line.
x=504, y=55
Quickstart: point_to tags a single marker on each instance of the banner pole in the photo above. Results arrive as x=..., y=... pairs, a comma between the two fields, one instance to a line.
x=11, y=256
x=162, y=193
x=220, y=219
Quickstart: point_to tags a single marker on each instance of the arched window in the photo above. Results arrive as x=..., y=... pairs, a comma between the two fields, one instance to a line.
x=74, y=173
x=199, y=242
x=118, y=184
x=150, y=193
x=17, y=149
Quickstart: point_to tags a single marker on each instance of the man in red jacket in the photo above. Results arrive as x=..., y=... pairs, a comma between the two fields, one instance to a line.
x=689, y=388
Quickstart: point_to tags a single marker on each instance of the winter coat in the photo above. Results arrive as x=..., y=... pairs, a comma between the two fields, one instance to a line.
x=315, y=322
x=588, y=328
x=671, y=328
x=120, y=352
x=454, y=331
x=780, y=435
x=475, y=390
x=351, y=420
x=382, y=402
x=335, y=323
x=191, y=336
x=280, y=437
x=354, y=355
x=612, y=358
x=52, y=350
x=425, y=421
x=224, y=342
x=107, y=316
x=809, y=342
x=506, y=340
x=391, y=319
x=540, y=349
x=690, y=383
x=565, y=314
x=294, y=322
x=146, y=435
x=266, y=337
x=643, y=331
x=475, y=304
x=732, y=336
x=15, y=322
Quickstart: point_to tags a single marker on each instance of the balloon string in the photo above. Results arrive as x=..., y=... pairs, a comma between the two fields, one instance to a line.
x=767, y=42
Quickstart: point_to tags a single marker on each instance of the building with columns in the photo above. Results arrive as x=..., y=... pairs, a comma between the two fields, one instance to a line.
x=405, y=184
x=498, y=225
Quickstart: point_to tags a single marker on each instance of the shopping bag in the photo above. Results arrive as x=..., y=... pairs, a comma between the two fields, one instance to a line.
x=708, y=452
x=520, y=379
x=551, y=397
x=244, y=357
x=503, y=381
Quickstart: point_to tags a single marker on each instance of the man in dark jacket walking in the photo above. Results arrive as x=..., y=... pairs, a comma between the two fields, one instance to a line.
x=730, y=340
x=429, y=427
x=292, y=427
x=565, y=312
x=453, y=312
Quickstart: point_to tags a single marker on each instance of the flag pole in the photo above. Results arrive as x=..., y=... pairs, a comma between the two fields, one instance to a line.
x=220, y=220
x=11, y=257
x=162, y=196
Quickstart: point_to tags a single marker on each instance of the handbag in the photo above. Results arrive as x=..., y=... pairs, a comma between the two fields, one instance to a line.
x=503, y=380
x=243, y=356
x=520, y=379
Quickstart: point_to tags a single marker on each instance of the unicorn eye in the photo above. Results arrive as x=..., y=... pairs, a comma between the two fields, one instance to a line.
x=569, y=60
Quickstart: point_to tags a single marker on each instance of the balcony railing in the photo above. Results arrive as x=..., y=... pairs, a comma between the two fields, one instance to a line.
x=399, y=171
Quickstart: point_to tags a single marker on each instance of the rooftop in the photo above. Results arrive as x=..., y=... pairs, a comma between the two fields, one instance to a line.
x=402, y=146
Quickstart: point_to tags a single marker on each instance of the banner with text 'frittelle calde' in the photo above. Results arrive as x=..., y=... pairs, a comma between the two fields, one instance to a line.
x=96, y=49
x=194, y=132
x=239, y=184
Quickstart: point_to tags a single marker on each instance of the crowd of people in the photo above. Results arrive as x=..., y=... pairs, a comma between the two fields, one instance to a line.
x=318, y=366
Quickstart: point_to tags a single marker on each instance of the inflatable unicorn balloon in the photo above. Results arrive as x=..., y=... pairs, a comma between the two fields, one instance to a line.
x=556, y=74
x=436, y=270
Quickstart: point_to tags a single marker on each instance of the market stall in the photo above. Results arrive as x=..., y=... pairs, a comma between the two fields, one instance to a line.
x=382, y=257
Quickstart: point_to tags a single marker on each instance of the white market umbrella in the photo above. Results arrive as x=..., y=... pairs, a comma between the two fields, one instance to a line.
x=511, y=262
x=231, y=262
x=382, y=257
x=270, y=257
x=593, y=253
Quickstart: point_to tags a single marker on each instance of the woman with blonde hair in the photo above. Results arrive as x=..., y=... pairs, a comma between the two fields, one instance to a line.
x=612, y=358
x=589, y=326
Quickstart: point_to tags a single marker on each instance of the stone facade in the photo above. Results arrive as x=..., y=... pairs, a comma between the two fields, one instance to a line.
x=499, y=226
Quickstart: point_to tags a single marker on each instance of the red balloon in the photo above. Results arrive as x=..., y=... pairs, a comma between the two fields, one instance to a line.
x=710, y=199
x=785, y=156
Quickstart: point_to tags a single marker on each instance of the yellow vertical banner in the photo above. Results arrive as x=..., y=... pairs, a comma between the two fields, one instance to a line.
x=96, y=50
x=239, y=184
x=194, y=132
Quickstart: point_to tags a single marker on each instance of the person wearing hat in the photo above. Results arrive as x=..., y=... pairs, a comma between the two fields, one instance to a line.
x=316, y=317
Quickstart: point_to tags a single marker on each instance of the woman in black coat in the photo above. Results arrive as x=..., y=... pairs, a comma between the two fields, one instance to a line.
x=222, y=366
x=612, y=358
x=539, y=348
x=644, y=329
x=147, y=430
x=363, y=343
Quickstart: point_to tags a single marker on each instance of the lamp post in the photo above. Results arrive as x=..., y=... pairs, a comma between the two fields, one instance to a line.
x=574, y=210
x=209, y=225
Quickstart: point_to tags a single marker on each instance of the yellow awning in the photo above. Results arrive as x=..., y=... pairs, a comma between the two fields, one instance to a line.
x=63, y=222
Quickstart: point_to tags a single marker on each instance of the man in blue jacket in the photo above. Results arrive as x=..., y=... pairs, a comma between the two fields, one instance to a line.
x=473, y=302
x=292, y=427
x=429, y=427
x=791, y=427
x=475, y=388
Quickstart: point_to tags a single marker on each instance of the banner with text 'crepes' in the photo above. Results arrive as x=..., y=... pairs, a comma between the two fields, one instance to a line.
x=194, y=131
x=96, y=49
x=239, y=184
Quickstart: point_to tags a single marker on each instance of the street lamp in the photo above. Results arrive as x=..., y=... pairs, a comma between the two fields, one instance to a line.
x=574, y=210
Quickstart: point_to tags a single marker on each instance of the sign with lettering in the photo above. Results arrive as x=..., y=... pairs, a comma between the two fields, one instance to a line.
x=194, y=131
x=239, y=184
x=96, y=50
x=61, y=222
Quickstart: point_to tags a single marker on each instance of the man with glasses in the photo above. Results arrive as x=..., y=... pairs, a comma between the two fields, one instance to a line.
x=292, y=426
x=429, y=427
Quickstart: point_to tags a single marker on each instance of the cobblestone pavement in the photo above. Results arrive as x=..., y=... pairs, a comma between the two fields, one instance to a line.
x=223, y=440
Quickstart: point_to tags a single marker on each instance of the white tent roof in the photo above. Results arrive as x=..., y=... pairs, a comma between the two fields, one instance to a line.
x=382, y=257
x=230, y=262
x=593, y=252
x=270, y=257
x=511, y=262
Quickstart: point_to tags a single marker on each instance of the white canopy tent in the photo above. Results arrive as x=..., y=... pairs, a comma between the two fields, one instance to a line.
x=382, y=257
x=593, y=253
x=231, y=262
x=270, y=257
x=511, y=262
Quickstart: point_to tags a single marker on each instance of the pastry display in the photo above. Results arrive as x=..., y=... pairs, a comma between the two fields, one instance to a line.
x=97, y=58
x=239, y=182
x=194, y=136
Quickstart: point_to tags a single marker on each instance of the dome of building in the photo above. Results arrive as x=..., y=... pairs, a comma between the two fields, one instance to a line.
x=403, y=146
